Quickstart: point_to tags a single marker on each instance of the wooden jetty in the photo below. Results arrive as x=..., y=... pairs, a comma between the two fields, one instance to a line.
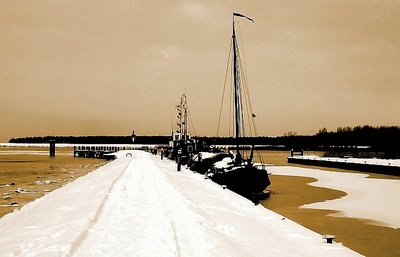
x=106, y=151
x=101, y=151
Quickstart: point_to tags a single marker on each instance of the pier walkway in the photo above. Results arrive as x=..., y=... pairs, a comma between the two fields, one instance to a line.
x=139, y=205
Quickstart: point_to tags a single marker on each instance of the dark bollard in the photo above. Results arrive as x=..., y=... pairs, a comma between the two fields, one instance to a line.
x=52, y=148
x=329, y=238
x=178, y=160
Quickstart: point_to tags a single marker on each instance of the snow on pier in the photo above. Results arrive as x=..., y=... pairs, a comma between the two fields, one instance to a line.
x=140, y=206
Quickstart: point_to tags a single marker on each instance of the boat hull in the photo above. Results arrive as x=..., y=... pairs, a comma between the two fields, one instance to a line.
x=249, y=182
x=204, y=165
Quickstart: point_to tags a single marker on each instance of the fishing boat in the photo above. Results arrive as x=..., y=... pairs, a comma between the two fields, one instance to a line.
x=182, y=146
x=238, y=172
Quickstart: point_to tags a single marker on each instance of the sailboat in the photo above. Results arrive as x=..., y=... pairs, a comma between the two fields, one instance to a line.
x=239, y=173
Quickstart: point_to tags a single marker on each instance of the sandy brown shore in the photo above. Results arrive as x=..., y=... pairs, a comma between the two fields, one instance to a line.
x=25, y=177
x=290, y=192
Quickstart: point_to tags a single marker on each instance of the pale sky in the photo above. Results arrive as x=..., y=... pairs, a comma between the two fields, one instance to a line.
x=108, y=67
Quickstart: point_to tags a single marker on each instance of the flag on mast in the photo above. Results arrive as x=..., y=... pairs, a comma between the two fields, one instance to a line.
x=244, y=16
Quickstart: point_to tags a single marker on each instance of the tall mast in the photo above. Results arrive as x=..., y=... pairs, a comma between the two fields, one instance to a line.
x=185, y=117
x=237, y=87
x=183, y=129
x=236, y=78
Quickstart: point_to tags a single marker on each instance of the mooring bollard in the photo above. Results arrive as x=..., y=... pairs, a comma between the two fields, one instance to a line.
x=52, y=148
x=178, y=161
x=329, y=238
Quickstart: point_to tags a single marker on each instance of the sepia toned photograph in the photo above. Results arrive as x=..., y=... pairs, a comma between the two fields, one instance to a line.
x=200, y=128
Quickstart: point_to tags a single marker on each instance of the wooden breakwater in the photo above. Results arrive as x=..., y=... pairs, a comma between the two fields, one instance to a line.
x=348, y=165
x=107, y=151
x=103, y=152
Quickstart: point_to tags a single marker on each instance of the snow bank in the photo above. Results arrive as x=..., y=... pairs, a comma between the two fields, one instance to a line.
x=141, y=206
x=367, y=198
x=367, y=161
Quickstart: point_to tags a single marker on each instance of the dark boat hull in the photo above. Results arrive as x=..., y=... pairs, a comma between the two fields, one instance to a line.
x=249, y=182
x=203, y=166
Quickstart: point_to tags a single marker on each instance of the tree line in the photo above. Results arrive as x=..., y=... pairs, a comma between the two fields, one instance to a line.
x=382, y=138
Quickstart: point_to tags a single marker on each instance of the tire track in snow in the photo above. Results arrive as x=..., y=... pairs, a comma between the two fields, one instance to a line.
x=165, y=209
x=75, y=246
x=133, y=222
x=190, y=237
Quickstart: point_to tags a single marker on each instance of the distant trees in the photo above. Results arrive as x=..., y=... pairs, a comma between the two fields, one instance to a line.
x=344, y=129
x=322, y=131
x=379, y=139
x=290, y=134
x=360, y=138
x=383, y=138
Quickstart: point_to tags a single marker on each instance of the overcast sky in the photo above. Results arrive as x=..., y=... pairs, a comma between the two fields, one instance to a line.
x=108, y=67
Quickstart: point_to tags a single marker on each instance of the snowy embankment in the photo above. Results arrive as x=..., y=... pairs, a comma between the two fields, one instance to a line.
x=140, y=206
x=364, y=161
x=380, y=166
x=367, y=198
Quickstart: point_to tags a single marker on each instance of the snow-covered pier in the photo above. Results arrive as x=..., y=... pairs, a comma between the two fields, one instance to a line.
x=139, y=205
x=381, y=166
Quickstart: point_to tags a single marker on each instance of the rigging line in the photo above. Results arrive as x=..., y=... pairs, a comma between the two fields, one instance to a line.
x=249, y=110
x=230, y=120
x=244, y=76
x=242, y=49
x=247, y=94
x=252, y=122
x=246, y=97
x=247, y=101
x=248, y=107
x=191, y=121
x=223, y=92
x=239, y=103
x=242, y=132
x=260, y=157
x=241, y=112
